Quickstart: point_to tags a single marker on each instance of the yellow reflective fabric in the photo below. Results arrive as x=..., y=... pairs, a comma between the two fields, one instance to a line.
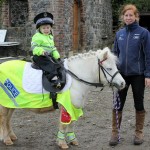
x=13, y=70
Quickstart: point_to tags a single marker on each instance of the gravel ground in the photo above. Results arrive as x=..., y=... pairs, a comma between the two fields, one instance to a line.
x=93, y=130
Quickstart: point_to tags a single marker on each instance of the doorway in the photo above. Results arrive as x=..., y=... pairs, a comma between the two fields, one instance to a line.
x=76, y=26
x=145, y=20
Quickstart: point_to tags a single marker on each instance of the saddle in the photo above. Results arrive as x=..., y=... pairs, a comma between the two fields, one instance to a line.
x=53, y=81
x=54, y=75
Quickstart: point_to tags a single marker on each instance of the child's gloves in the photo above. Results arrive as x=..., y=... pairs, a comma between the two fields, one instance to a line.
x=45, y=53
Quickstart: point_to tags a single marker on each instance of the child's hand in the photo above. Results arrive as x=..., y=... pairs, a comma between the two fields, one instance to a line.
x=45, y=53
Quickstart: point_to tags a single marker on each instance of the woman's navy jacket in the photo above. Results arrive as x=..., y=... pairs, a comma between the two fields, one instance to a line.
x=132, y=47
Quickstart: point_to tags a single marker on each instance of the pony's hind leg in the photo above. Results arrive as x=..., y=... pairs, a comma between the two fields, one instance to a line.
x=1, y=129
x=12, y=134
x=6, y=130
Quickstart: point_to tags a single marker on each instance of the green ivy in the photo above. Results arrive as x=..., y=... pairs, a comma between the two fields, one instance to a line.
x=142, y=5
x=1, y=1
x=116, y=4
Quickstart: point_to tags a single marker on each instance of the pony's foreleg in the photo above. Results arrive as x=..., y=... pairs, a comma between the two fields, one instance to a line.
x=61, y=135
x=70, y=135
x=5, y=115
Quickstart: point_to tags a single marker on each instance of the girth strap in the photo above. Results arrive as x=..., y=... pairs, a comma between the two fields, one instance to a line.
x=53, y=96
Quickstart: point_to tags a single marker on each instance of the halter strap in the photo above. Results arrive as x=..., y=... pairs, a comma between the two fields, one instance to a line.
x=102, y=60
x=105, y=71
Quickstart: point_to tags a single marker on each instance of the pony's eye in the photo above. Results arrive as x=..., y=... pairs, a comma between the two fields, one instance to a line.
x=109, y=69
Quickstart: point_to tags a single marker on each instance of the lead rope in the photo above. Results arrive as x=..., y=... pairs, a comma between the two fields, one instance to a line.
x=116, y=105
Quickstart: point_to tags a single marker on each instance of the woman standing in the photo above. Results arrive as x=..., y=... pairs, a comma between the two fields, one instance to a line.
x=132, y=47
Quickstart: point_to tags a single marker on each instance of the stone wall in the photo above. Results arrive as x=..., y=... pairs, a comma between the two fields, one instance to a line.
x=95, y=22
x=98, y=23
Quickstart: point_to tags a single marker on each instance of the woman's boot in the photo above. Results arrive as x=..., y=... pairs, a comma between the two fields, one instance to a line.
x=140, y=117
x=114, y=137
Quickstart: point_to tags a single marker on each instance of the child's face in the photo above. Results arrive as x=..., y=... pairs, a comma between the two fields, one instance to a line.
x=45, y=29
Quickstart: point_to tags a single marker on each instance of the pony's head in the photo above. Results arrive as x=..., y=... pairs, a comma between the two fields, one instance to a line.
x=107, y=62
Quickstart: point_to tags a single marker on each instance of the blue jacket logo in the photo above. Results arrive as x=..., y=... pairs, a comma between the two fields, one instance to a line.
x=136, y=37
x=121, y=38
x=11, y=88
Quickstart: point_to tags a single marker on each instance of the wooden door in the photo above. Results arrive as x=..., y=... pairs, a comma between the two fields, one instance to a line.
x=76, y=23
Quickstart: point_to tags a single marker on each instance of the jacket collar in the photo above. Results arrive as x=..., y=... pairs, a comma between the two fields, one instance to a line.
x=132, y=26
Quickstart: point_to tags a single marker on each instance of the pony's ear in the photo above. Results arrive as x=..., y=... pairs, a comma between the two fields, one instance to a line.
x=105, y=55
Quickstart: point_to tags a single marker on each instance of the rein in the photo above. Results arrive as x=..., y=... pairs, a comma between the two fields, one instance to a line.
x=75, y=76
x=86, y=82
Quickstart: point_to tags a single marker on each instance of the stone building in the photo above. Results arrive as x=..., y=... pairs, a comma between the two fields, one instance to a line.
x=80, y=25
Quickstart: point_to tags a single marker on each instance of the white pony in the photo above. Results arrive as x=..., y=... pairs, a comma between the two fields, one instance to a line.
x=94, y=68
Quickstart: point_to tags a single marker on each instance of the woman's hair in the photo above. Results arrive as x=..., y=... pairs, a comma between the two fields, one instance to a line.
x=129, y=7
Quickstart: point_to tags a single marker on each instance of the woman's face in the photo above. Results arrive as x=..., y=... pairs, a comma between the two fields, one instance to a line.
x=129, y=17
x=45, y=29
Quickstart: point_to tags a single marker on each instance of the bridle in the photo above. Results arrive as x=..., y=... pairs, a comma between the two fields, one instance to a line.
x=106, y=72
x=99, y=84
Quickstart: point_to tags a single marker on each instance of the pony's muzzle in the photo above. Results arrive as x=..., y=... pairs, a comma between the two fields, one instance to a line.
x=119, y=86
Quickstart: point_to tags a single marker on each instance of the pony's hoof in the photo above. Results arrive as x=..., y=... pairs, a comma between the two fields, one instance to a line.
x=8, y=142
x=74, y=143
x=13, y=137
x=63, y=146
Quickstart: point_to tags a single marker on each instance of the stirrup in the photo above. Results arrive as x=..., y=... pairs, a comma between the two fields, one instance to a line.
x=56, y=84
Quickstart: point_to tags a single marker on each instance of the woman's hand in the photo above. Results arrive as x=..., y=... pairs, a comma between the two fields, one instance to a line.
x=147, y=82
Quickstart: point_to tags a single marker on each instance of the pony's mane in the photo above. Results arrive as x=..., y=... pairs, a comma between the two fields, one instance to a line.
x=80, y=56
x=91, y=54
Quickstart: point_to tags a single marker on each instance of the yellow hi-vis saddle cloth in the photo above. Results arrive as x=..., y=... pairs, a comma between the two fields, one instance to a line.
x=13, y=95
